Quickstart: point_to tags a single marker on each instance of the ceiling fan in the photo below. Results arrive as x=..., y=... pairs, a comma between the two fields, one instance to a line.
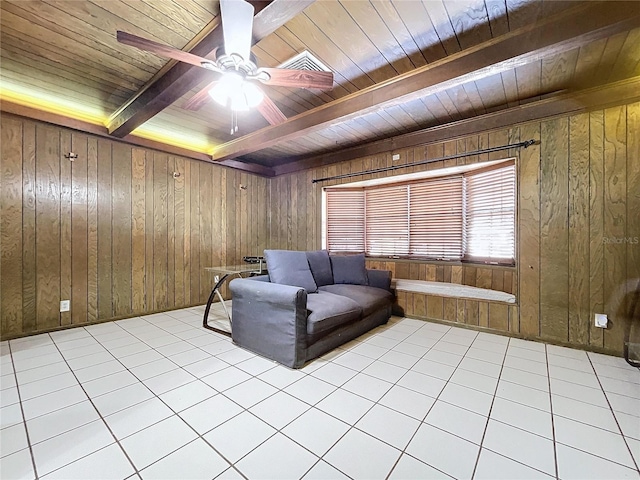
x=236, y=87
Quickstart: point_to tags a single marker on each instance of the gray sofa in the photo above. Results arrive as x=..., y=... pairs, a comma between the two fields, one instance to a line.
x=309, y=304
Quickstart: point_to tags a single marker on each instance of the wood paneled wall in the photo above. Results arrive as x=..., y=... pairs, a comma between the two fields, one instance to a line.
x=499, y=278
x=578, y=222
x=113, y=231
x=476, y=313
x=116, y=234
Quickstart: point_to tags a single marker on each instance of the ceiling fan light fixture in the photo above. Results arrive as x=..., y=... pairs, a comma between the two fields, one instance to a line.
x=234, y=92
x=229, y=83
x=253, y=94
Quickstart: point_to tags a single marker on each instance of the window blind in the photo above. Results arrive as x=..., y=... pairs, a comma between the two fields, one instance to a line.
x=467, y=216
x=386, y=221
x=345, y=220
x=490, y=214
x=437, y=218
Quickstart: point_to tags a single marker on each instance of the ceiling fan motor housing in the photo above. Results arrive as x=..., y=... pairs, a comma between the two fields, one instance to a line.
x=233, y=62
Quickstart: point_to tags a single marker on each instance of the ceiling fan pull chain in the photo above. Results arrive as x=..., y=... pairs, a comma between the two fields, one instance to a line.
x=234, y=122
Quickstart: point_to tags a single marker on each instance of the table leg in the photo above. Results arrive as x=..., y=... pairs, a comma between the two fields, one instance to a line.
x=205, y=320
x=224, y=306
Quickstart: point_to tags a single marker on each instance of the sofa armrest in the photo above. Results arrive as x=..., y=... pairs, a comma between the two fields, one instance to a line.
x=270, y=319
x=379, y=279
x=260, y=278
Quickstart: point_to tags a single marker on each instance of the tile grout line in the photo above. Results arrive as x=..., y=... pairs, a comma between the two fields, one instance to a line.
x=142, y=382
x=198, y=436
x=340, y=387
x=486, y=426
x=279, y=430
x=615, y=418
x=155, y=395
x=437, y=399
x=71, y=370
x=91, y=399
x=553, y=424
x=583, y=423
x=351, y=426
x=312, y=406
x=403, y=451
x=508, y=424
x=430, y=408
x=499, y=421
x=101, y=418
x=24, y=420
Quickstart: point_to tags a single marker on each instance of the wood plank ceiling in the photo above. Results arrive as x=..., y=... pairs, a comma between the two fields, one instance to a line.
x=64, y=53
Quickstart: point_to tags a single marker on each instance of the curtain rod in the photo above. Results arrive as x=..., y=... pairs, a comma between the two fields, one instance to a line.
x=525, y=144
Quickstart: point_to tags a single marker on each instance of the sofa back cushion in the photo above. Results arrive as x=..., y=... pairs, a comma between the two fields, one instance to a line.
x=288, y=267
x=320, y=267
x=349, y=269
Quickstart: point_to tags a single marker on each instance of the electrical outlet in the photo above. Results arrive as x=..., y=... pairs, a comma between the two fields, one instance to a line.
x=601, y=320
x=65, y=306
x=216, y=279
x=395, y=157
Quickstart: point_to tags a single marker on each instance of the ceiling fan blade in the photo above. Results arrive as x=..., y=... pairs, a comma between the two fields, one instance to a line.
x=164, y=50
x=283, y=77
x=271, y=112
x=237, y=27
x=200, y=99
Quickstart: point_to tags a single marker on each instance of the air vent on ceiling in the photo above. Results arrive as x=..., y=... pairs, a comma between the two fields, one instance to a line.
x=305, y=61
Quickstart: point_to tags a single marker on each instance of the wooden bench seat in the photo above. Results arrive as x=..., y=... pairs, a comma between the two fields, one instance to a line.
x=461, y=304
x=443, y=289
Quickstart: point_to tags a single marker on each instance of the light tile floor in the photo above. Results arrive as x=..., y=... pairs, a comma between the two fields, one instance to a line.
x=161, y=397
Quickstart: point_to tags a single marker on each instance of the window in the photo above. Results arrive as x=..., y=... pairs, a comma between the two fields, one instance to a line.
x=465, y=217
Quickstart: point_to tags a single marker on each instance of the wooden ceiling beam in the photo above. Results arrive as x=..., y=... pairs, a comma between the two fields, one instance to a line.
x=625, y=91
x=178, y=78
x=565, y=31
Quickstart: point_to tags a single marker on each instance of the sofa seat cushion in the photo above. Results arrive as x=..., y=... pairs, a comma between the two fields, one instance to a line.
x=328, y=312
x=370, y=299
